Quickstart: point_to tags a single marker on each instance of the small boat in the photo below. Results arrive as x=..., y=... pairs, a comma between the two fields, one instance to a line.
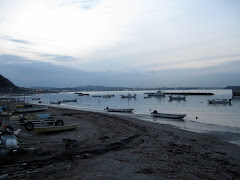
x=108, y=96
x=71, y=100
x=220, y=101
x=22, y=110
x=129, y=96
x=50, y=129
x=35, y=98
x=58, y=102
x=236, y=92
x=164, y=115
x=158, y=93
x=119, y=110
x=177, y=98
x=96, y=96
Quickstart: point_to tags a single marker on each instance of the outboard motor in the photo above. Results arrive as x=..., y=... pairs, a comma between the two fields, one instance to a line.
x=8, y=143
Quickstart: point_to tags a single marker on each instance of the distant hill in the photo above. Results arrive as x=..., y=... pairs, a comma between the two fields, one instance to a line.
x=232, y=87
x=7, y=86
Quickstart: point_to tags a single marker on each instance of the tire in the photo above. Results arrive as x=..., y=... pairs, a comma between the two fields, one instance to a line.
x=29, y=126
x=59, y=123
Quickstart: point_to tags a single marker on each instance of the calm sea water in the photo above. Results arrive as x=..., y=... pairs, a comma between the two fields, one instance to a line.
x=201, y=117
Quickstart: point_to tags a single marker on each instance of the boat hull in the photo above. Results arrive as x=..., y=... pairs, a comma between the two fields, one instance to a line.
x=171, y=116
x=220, y=101
x=120, y=110
x=21, y=110
x=51, y=129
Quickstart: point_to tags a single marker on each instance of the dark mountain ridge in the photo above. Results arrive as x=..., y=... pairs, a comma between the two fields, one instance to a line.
x=6, y=86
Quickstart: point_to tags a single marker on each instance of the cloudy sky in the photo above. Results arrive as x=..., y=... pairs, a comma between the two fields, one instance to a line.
x=132, y=43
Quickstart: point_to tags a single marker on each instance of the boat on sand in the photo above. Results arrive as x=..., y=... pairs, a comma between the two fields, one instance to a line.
x=128, y=110
x=165, y=115
x=51, y=129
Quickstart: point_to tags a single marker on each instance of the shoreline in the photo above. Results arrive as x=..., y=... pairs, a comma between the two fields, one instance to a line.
x=217, y=131
x=116, y=147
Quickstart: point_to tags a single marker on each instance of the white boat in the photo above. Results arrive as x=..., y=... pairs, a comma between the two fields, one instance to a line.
x=129, y=96
x=22, y=110
x=177, y=98
x=165, y=115
x=219, y=101
x=119, y=110
x=158, y=93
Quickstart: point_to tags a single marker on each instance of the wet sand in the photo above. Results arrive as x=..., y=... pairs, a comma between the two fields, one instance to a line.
x=118, y=147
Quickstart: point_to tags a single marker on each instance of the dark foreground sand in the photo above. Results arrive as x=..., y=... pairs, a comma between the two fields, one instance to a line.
x=114, y=147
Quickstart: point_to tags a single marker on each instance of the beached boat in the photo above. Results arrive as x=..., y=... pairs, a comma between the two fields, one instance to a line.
x=177, y=98
x=129, y=96
x=219, y=101
x=128, y=110
x=158, y=93
x=22, y=110
x=50, y=129
x=165, y=115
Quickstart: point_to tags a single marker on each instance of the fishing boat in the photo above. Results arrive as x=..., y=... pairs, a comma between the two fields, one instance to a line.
x=165, y=115
x=50, y=129
x=22, y=110
x=158, y=93
x=177, y=98
x=119, y=110
x=129, y=96
x=220, y=101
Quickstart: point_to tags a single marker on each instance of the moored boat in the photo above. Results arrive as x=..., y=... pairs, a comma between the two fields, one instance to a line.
x=71, y=100
x=219, y=101
x=177, y=98
x=50, y=129
x=35, y=98
x=166, y=115
x=158, y=93
x=236, y=92
x=119, y=110
x=129, y=96
x=108, y=96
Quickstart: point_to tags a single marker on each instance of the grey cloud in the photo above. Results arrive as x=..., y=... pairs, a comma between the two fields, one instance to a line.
x=16, y=40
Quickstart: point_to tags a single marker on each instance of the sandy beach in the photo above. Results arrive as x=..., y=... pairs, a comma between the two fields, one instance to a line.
x=108, y=146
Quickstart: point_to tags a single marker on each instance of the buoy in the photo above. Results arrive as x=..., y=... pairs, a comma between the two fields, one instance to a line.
x=196, y=117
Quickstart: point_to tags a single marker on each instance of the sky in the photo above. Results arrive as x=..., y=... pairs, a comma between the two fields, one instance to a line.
x=130, y=43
